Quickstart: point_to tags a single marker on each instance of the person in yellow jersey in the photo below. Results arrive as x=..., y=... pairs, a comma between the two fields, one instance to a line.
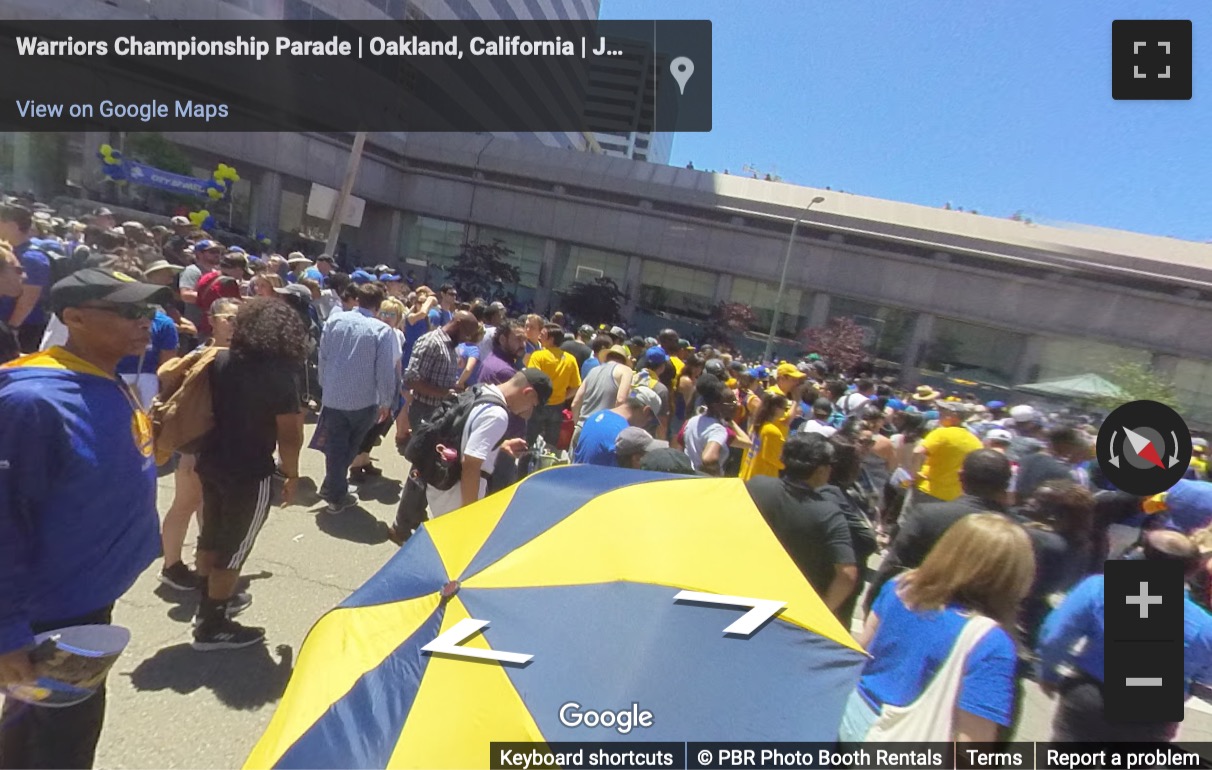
x=788, y=381
x=768, y=434
x=941, y=453
x=1199, y=459
x=561, y=368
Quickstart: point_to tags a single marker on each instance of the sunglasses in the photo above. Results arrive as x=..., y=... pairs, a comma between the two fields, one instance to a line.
x=128, y=311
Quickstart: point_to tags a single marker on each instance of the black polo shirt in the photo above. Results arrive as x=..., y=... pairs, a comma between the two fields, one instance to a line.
x=812, y=529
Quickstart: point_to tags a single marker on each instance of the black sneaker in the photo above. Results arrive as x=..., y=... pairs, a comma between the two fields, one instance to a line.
x=226, y=634
x=235, y=606
x=180, y=577
x=348, y=501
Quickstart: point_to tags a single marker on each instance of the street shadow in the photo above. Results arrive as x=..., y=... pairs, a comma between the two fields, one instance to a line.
x=185, y=603
x=356, y=525
x=307, y=492
x=381, y=490
x=241, y=679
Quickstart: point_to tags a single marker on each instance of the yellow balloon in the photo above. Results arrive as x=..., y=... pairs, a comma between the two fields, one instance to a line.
x=106, y=149
x=214, y=194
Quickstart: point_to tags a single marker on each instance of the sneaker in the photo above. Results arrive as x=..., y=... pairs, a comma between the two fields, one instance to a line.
x=180, y=577
x=348, y=501
x=235, y=606
x=370, y=470
x=226, y=635
x=396, y=536
x=358, y=476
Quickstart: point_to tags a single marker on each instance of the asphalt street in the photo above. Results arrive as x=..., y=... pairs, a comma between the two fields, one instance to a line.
x=172, y=707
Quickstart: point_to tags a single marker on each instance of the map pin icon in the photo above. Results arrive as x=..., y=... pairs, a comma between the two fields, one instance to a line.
x=682, y=68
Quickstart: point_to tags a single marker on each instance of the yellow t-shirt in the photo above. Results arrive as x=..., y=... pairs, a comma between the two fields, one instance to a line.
x=765, y=457
x=946, y=449
x=785, y=420
x=678, y=366
x=562, y=368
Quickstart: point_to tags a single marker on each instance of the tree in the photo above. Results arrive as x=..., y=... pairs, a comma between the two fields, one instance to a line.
x=840, y=342
x=726, y=320
x=1138, y=382
x=597, y=302
x=484, y=270
x=154, y=150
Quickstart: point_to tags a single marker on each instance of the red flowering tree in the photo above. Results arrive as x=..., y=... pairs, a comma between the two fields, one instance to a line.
x=840, y=342
x=727, y=319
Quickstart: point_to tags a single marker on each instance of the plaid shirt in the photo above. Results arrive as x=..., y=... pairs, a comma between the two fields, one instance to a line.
x=434, y=361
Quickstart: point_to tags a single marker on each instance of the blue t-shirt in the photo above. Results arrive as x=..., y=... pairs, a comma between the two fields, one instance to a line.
x=163, y=337
x=468, y=350
x=910, y=646
x=590, y=364
x=439, y=317
x=412, y=333
x=37, y=273
x=595, y=446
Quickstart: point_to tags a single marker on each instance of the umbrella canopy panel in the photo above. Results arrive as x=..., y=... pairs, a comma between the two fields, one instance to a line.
x=578, y=567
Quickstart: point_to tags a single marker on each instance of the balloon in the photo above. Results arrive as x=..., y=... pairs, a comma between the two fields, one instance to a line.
x=198, y=218
x=106, y=149
x=214, y=194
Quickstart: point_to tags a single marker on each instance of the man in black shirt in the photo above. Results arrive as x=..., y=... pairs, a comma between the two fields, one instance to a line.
x=812, y=529
x=579, y=346
x=1056, y=462
x=256, y=400
x=984, y=477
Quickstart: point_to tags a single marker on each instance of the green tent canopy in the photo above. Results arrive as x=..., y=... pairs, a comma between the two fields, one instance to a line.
x=1082, y=386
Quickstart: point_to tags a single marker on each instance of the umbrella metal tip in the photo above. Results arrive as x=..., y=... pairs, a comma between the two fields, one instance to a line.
x=450, y=589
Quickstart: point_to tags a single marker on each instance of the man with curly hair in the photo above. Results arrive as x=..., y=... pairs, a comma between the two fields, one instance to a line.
x=256, y=399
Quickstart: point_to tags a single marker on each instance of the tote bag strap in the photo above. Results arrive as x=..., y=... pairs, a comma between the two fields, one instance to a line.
x=930, y=716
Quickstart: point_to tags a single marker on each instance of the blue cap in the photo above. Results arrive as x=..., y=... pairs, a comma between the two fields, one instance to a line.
x=755, y=373
x=204, y=245
x=361, y=276
x=656, y=356
x=236, y=249
x=996, y=405
x=389, y=278
x=896, y=404
x=931, y=415
x=256, y=263
x=762, y=372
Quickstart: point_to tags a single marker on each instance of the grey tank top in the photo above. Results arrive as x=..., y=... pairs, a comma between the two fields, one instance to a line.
x=601, y=390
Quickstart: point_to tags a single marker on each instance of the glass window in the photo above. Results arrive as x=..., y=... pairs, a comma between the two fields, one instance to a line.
x=290, y=213
x=677, y=289
x=761, y=297
x=1193, y=387
x=585, y=264
x=888, y=329
x=973, y=352
x=527, y=252
x=427, y=241
x=1070, y=356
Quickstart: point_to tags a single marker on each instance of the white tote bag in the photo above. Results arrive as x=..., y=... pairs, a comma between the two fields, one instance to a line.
x=929, y=718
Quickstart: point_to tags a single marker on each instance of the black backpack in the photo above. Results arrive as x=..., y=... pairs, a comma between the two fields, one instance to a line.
x=445, y=428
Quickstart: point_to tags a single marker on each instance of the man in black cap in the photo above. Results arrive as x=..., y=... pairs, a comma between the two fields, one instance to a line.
x=579, y=346
x=78, y=520
x=484, y=437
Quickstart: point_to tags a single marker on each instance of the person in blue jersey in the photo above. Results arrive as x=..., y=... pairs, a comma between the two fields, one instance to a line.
x=1076, y=678
x=78, y=520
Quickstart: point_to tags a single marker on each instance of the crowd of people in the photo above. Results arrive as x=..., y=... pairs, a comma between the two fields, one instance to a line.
x=122, y=345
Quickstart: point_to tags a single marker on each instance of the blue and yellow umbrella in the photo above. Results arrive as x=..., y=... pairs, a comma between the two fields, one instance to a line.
x=572, y=580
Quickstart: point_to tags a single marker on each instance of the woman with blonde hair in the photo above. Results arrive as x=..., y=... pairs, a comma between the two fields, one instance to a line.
x=949, y=620
x=391, y=312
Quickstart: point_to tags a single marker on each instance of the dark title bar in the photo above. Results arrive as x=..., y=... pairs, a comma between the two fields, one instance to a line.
x=340, y=76
x=832, y=756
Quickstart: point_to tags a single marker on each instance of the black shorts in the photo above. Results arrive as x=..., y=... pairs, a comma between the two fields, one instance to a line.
x=233, y=512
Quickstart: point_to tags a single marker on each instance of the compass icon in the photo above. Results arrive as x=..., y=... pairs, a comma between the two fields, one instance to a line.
x=1144, y=447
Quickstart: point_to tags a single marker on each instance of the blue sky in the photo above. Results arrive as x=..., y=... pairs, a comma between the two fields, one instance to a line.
x=994, y=105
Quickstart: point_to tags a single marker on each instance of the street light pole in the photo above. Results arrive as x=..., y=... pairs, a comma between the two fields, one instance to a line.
x=778, y=302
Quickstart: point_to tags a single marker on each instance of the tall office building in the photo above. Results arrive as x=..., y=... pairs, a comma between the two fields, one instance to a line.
x=614, y=99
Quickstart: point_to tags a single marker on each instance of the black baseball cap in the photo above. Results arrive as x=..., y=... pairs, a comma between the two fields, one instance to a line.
x=667, y=460
x=96, y=284
x=540, y=382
